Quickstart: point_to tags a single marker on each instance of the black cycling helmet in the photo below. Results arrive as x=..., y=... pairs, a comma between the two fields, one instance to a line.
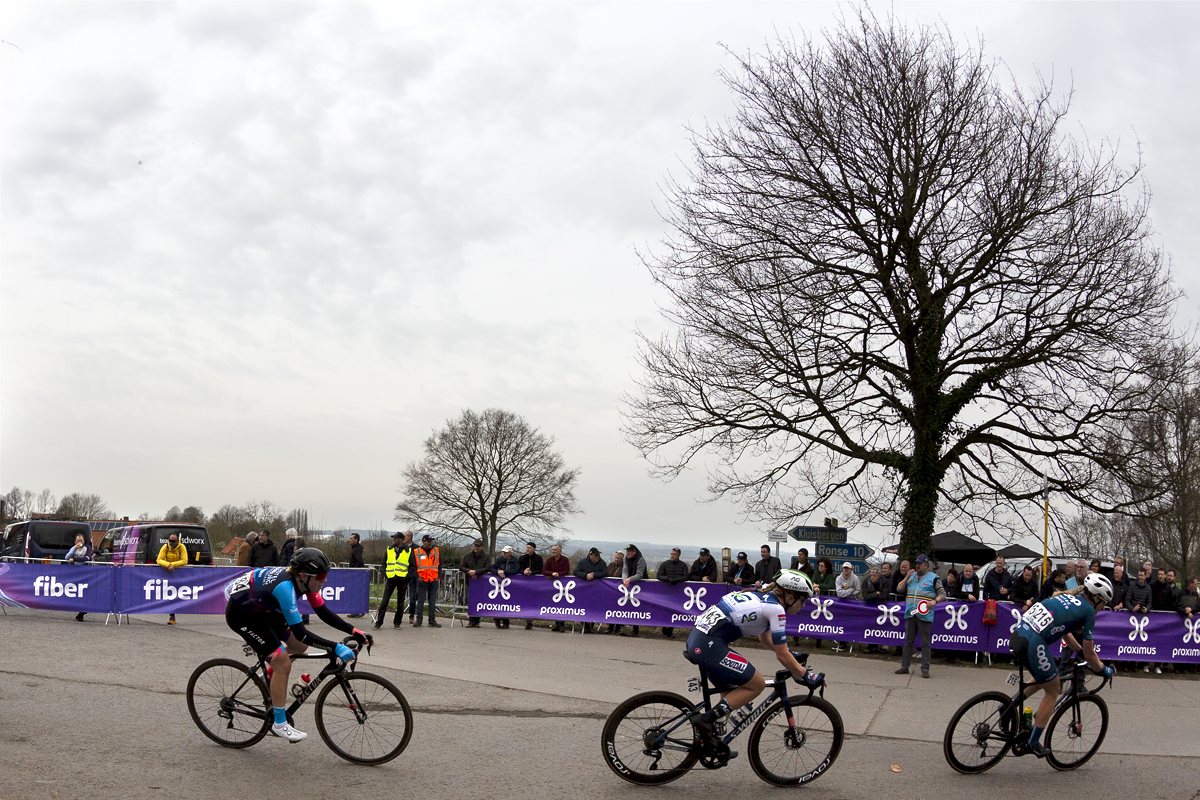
x=310, y=561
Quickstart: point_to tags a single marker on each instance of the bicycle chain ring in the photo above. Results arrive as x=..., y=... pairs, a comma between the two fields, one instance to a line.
x=715, y=755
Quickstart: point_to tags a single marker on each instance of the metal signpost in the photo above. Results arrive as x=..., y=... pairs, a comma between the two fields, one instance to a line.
x=777, y=537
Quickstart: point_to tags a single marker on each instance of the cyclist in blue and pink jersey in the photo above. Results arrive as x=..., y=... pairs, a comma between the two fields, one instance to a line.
x=739, y=614
x=1055, y=618
x=262, y=608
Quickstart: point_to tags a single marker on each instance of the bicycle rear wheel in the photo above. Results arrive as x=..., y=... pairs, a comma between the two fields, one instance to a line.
x=229, y=703
x=644, y=732
x=980, y=733
x=363, y=718
x=783, y=755
x=1076, y=731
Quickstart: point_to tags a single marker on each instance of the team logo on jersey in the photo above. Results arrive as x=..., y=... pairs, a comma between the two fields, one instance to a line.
x=694, y=600
x=697, y=649
x=499, y=588
x=956, y=617
x=564, y=591
x=1139, y=629
x=735, y=662
x=822, y=608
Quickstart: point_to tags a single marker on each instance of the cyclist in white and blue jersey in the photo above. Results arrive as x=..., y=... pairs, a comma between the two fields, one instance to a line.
x=739, y=614
x=1055, y=618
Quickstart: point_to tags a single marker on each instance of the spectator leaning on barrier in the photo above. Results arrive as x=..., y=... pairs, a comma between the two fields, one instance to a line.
x=767, y=567
x=704, y=568
x=923, y=590
x=289, y=547
x=673, y=571
x=847, y=584
x=263, y=552
x=78, y=554
x=172, y=555
x=1162, y=593
x=1055, y=584
x=888, y=578
x=614, y=571
x=1120, y=589
x=474, y=566
x=998, y=583
x=429, y=569
x=901, y=573
x=1025, y=590
x=557, y=566
x=1189, y=600
x=873, y=590
x=243, y=553
x=1140, y=595
x=505, y=566
x=800, y=561
x=397, y=572
x=632, y=571
x=1081, y=572
x=951, y=582
x=531, y=562
x=968, y=585
x=740, y=572
x=591, y=568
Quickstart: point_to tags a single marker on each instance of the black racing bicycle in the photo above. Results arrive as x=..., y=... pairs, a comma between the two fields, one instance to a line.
x=362, y=717
x=991, y=725
x=652, y=738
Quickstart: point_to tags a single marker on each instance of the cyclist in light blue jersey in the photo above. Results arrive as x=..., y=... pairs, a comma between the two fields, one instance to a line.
x=739, y=614
x=1055, y=618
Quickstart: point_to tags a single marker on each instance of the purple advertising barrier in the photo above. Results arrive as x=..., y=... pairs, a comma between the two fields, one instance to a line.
x=1158, y=636
x=201, y=590
x=647, y=602
x=59, y=587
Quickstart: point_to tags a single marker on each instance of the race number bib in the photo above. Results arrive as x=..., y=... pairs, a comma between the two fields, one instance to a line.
x=238, y=584
x=1038, y=617
x=710, y=619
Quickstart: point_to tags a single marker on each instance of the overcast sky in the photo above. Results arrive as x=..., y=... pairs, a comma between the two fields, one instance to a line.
x=262, y=251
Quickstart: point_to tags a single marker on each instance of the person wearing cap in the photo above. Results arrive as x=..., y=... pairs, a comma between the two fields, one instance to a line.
x=672, y=572
x=556, y=566
x=633, y=569
x=767, y=567
x=591, y=568
x=923, y=590
x=474, y=566
x=531, y=564
x=704, y=568
x=397, y=572
x=800, y=562
x=505, y=566
x=429, y=569
x=847, y=584
x=740, y=573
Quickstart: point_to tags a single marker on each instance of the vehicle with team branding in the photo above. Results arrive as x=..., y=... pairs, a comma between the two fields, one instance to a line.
x=43, y=539
x=140, y=543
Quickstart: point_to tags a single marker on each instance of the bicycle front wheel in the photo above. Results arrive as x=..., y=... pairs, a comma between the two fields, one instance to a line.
x=363, y=718
x=784, y=754
x=1076, y=731
x=980, y=733
x=229, y=703
x=648, y=739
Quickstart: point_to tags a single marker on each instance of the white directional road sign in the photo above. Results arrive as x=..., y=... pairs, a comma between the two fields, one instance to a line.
x=777, y=536
x=843, y=551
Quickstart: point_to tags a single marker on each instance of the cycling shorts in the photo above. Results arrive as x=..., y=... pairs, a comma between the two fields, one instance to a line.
x=265, y=631
x=1032, y=650
x=726, y=668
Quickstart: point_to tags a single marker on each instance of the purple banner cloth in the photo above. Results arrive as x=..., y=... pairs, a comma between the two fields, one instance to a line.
x=1158, y=636
x=60, y=587
x=152, y=589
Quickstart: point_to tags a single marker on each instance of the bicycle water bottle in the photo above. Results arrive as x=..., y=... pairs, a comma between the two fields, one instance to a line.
x=1028, y=717
x=738, y=717
x=299, y=686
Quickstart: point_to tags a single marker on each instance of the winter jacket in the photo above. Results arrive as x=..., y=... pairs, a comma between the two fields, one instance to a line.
x=874, y=591
x=243, y=554
x=586, y=567
x=481, y=562
x=1139, y=594
x=173, y=557
x=356, y=555
x=1022, y=591
x=285, y=555
x=672, y=572
x=994, y=582
x=614, y=568
x=561, y=565
x=264, y=555
x=746, y=573
x=533, y=563
x=1120, y=595
x=634, y=567
x=766, y=569
x=509, y=566
x=966, y=587
x=699, y=571
x=1188, y=600
x=827, y=584
x=1049, y=587
x=808, y=569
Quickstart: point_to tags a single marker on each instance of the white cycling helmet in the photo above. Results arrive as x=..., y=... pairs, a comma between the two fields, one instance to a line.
x=1097, y=585
x=793, y=580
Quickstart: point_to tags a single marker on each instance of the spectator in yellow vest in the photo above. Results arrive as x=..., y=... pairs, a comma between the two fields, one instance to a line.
x=172, y=555
x=396, y=576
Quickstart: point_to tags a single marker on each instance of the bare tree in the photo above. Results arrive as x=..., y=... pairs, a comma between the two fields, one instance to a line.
x=46, y=502
x=900, y=293
x=1092, y=535
x=78, y=505
x=487, y=475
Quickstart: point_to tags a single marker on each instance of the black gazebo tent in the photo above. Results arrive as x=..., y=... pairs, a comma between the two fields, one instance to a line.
x=1017, y=551
x=954, y=547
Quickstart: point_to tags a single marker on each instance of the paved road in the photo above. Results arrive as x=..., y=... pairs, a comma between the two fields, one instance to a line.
x=94, y=711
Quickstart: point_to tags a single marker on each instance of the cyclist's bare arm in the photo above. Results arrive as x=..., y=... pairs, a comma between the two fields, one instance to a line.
x=784, y=655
